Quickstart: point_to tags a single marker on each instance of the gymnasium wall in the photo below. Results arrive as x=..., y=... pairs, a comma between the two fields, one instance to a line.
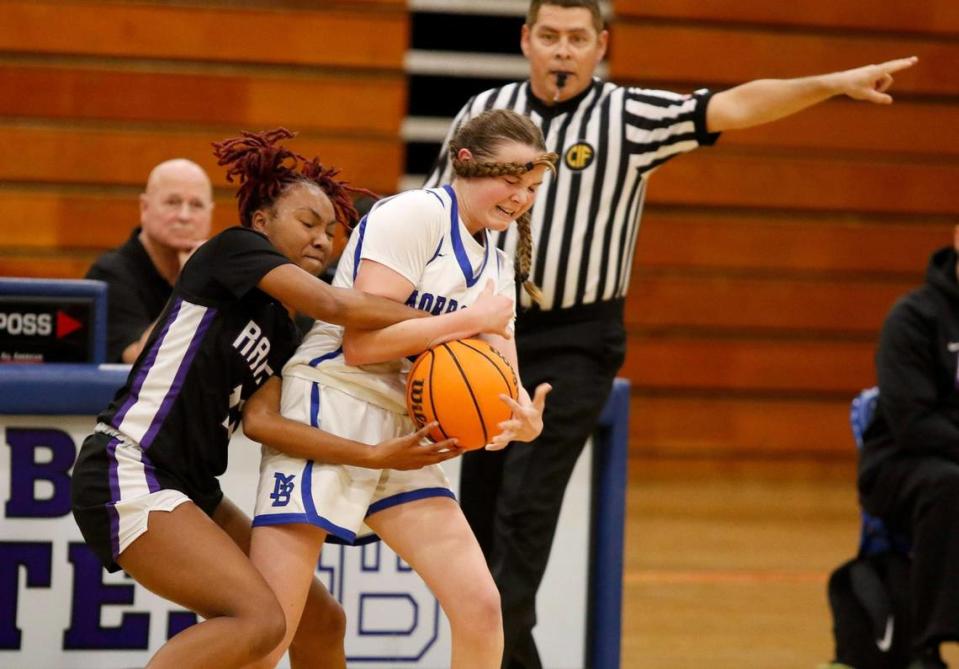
x=96, y=93
x=764, y=266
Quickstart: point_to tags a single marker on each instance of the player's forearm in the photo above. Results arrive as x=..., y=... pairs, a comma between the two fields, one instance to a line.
x=766, y=100
x=412, y=337
x=307, y=295
x=356, y=309
x=303, y=441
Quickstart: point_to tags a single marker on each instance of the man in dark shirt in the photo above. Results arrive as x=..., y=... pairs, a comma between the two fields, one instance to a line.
x=175, y=213
x=909, y=466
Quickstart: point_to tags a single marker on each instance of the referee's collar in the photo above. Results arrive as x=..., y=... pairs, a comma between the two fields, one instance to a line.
x=548, y=111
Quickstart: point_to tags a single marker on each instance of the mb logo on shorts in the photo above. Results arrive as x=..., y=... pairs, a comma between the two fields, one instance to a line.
x=282, y=489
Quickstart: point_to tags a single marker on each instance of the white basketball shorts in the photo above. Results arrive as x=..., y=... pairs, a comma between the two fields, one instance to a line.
x=337, y=498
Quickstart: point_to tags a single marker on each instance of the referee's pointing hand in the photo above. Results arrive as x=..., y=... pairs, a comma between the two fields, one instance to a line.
x=871, y=82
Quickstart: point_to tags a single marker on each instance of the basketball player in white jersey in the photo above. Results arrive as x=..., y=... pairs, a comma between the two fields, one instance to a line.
x=430, y=249
x=145, y=487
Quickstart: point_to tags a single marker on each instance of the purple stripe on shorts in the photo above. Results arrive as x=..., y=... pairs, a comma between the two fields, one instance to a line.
x=134, y=394
x=177, y=384
x=149, y=472
x=114, y=496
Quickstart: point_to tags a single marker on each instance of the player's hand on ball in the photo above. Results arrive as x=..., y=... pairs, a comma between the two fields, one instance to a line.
x=493, y=313
x=872, y=81
x=413, y=452
x=527, y=420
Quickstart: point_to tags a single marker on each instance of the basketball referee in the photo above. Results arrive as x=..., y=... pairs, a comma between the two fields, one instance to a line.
x=609, y=139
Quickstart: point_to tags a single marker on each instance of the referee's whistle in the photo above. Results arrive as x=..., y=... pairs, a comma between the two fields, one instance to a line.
x=560, y=83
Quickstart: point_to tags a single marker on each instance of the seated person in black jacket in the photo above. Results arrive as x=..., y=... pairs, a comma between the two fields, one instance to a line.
x=909, y=467
x=175, y=213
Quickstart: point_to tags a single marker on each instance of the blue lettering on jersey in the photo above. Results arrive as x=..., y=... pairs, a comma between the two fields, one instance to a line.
x=426, y=302
x=282, y=489
x=434, y=304
x=254, y=346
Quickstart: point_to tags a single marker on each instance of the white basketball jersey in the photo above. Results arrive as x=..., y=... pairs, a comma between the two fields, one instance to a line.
x=420, y=235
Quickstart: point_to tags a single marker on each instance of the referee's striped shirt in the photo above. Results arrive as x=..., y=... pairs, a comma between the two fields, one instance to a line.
x=609, y=139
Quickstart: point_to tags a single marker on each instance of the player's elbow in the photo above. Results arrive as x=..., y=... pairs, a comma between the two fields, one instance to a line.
x=362, y=347
x=350, y=357
x=256, y=422
x=354, y=352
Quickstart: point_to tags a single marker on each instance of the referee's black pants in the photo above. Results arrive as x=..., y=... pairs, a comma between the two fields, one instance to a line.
x=920, y=496
x=512, y=498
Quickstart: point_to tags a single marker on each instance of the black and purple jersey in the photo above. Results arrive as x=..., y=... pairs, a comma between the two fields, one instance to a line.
x=218, y=339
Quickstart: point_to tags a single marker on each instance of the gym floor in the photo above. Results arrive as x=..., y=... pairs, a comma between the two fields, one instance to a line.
x=726, y=563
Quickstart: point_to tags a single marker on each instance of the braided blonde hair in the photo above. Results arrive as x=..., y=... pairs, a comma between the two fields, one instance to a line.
x=481, y=136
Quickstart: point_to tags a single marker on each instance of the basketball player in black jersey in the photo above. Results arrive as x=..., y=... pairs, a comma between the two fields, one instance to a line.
x=162, y=442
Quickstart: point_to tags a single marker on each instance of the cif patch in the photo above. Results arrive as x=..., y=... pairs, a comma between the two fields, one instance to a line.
x=579, y=156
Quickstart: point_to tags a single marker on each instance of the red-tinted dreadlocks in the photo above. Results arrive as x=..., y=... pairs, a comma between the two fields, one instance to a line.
x=266, y=169
x=337, y=191
x=263, y=168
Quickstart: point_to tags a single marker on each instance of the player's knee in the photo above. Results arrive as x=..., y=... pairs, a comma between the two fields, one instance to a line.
x=266, y=627
x=335, y=622
x=490, y=610
x=479, y=612
x=326, y=622
x=272, y=632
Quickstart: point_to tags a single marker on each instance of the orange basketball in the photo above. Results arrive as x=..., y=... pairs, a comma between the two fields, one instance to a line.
x=458, y=384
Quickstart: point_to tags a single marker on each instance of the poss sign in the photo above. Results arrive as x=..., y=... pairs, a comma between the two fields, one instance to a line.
x=52, y=321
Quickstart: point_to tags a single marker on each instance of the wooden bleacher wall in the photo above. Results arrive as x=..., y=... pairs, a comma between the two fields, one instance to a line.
x=97, y=93
x=765, y=265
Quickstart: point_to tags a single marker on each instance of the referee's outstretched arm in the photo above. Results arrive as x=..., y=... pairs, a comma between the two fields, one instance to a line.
x=765, y=100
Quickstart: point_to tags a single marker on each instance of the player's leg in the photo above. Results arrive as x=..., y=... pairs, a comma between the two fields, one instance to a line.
x=318, y=639
x=293, y=492
x=432, y=536
x=186, y=558
x=287, y=555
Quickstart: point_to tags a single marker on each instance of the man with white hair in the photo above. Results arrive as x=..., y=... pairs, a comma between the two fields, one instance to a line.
x=175, y=216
